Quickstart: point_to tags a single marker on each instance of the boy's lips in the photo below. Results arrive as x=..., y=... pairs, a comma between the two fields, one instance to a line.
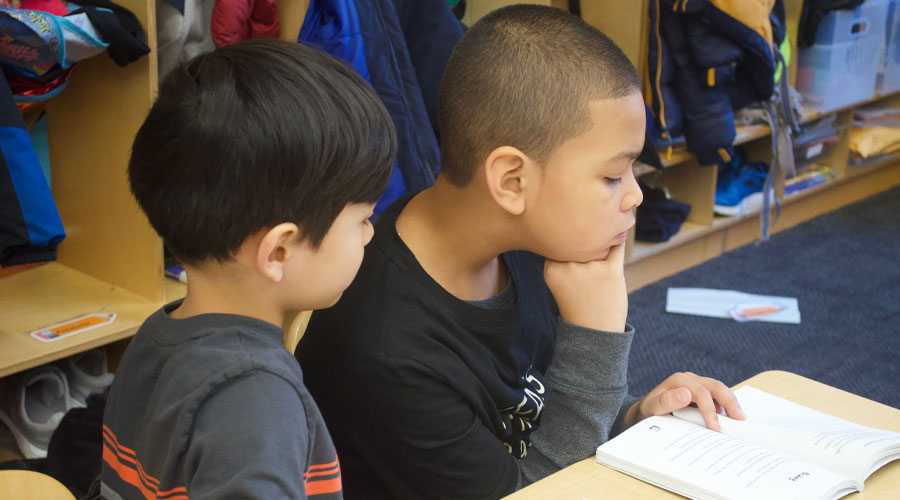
x=623, y=236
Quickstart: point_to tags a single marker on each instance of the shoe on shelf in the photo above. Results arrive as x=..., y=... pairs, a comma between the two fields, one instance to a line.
x=739, y=188
x=32, y=405
x=87, y=374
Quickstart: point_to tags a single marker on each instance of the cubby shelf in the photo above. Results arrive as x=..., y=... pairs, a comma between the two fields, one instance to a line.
x=52, y=293
x=696, y=243
x=705, y=234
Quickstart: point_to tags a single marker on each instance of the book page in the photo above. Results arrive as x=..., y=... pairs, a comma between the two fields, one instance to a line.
x=845, y=447
x=697, y=462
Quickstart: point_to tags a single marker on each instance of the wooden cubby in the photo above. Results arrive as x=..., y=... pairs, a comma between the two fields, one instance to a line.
x=111, y=259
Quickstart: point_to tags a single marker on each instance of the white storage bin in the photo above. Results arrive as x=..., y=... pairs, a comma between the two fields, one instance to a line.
x=841, y=68
x=889, y=75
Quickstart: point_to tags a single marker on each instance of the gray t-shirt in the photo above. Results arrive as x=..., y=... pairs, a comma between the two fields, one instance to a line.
x=213, y=406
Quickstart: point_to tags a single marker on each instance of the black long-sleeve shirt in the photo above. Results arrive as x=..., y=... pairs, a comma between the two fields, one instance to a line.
x=430, y=396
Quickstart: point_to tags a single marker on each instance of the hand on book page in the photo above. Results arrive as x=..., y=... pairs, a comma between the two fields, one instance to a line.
x=680, y=390
x=781, y=450
x=696, y=462
x=848, y=448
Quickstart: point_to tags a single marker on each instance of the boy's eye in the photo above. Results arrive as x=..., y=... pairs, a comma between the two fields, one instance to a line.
x=613, y=180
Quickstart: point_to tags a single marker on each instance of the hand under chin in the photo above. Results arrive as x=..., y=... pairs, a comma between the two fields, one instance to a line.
x=581, y=257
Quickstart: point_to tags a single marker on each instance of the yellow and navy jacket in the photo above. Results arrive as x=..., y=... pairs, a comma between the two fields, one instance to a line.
x=707, y=59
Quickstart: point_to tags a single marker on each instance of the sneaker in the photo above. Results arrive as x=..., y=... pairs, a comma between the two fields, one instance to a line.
x=87, y=374
x=739, y=189
x=32, y=405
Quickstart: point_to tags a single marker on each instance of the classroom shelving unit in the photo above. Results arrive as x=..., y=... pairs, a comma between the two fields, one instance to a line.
x=704, y=235
x=111, y=259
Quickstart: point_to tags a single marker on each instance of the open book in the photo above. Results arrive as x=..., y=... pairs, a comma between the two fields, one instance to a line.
x=782, y=450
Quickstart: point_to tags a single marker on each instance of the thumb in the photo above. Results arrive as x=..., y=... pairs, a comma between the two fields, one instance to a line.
x=670, y=400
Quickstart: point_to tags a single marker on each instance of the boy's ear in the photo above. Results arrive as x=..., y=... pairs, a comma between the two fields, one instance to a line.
x=275, y=248
x=506, y=173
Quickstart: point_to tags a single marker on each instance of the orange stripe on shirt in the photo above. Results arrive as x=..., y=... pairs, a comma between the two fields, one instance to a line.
x=135, y=475
x=323, y=466
x=127, y=455
x=323, y=486
x=131, y=476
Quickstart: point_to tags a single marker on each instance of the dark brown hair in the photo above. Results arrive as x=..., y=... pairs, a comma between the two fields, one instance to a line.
x=523, y=76
x=254, y=134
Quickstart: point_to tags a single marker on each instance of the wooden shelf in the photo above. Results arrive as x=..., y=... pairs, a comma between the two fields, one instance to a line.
x=865, y=168
x=174, y=290
x=675, y=158
x=53, y=293
x=697, y=243
x=640, y=169
x=748, y=133
x=688, y=232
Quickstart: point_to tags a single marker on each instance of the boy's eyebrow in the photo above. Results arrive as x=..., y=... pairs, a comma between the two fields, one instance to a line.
x=626, y=155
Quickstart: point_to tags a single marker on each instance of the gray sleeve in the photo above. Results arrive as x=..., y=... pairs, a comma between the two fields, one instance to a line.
x=249, y=440
x=588, y=399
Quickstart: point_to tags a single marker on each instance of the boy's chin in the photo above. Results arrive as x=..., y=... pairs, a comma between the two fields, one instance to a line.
x=583, y=257
x=325, y=303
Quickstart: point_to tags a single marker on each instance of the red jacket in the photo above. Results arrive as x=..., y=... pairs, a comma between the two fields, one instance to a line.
x=236, y=20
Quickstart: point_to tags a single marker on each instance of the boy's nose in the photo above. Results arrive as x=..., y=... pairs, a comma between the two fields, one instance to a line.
x=633, y=196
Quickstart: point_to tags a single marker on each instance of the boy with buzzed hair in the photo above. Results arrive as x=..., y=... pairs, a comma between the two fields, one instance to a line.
x=483, y=344
x=259, y=164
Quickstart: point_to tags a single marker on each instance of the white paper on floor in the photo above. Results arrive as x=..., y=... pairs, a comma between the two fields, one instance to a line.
x=720, y=304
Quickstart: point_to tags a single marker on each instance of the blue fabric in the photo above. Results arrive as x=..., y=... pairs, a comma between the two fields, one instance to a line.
x=431, y=31
x=38, y=133
x=396, y=188
x=334, y=28
x=403, y=46
x=30, y=227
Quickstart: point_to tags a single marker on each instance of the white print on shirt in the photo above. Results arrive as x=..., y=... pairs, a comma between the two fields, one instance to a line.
x=521, y=419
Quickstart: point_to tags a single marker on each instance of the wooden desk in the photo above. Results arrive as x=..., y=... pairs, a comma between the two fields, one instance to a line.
x=589, y=480
x=28, y=485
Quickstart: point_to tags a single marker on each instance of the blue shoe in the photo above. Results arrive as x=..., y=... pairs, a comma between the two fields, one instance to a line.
x=739, y=187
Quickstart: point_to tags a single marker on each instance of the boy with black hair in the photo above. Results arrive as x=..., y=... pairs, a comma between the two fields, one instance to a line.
x=259, y=165
x=460, y=364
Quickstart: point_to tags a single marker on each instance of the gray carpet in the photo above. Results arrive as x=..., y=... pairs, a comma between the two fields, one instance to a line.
x=843, y=267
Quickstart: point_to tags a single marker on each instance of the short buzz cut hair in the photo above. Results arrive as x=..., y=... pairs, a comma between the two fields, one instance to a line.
x=523, y=76
x=254, y=134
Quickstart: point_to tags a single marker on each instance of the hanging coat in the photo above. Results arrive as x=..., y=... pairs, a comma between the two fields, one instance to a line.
x=708, y=58
x=401, y=47
x=30, y=227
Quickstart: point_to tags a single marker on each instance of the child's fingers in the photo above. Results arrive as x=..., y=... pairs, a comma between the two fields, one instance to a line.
x=681, y=389
x=616, y=255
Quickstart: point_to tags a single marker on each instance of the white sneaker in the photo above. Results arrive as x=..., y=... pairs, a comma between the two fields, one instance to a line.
x=32, y=405
x=87, y=374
